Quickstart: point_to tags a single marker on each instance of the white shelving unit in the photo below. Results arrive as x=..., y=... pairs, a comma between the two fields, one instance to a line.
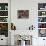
x=4, y=36
x=42, y=18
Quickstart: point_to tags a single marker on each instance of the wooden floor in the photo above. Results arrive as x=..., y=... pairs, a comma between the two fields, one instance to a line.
x=3, y=45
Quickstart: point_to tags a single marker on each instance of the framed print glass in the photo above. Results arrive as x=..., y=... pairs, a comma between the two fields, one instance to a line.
x=23, y=14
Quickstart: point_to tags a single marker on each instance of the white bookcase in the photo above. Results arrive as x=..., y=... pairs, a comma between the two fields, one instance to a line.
x=5, y=9
x=42, y=19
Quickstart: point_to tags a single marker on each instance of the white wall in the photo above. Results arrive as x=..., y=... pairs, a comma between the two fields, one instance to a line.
x=32, y=6
x=23, y=24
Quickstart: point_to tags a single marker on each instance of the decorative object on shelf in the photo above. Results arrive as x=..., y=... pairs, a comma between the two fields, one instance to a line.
x=23, y=14
x=45, y=7
x=41, y=13
x=41, y=6
x=13, y=27
x=4, y=29
x=6, y=7
x=3, y=13
x=31, y=27
x=3, y=6
x=41, y=19
x=43, y=39
x=0, y=7
x=41, y=25
x=4, y=26
x=42, y=32
x=3, y=19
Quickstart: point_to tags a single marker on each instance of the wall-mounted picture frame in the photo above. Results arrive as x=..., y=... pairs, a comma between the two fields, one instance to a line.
x=22, y=14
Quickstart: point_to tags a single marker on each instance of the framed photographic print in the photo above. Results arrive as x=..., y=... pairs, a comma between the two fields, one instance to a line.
x=23, y=14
